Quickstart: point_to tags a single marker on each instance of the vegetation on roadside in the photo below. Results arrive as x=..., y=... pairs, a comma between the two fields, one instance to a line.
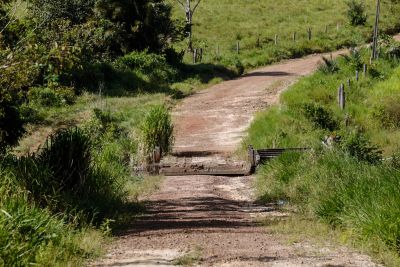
x=98, y=77
x=82, y=75
x=351, y=182
x=157, y=130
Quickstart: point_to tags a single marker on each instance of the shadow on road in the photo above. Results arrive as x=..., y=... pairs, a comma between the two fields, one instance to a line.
x=193, y=213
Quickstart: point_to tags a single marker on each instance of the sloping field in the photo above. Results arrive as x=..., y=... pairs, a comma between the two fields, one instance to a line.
x=219, y=24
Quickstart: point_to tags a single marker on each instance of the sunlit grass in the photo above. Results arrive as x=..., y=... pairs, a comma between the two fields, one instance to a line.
x=219, y=24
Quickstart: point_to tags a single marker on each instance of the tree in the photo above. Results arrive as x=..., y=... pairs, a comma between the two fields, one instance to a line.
x=356, y=12
x=11, y=124
x=137, y=24
x=75, y=11
x=189, y=12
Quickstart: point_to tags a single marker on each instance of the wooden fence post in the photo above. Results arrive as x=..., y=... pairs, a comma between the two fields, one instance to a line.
x=343, y=106
x=294, y=36
x=342, y=97
x=201, y=55
x=217, y=50
x=276, y=39
x=309, y=34
x=376, y=31
x=195, y=56
x=365, y=70
x=326, y=29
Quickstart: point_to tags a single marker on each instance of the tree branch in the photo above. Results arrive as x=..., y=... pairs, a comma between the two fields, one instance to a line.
x=12, y=16
x=197, y=4
x=9, y=66
x=181, y=3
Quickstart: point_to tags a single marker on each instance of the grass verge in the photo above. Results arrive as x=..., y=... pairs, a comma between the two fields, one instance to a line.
x=351, y=185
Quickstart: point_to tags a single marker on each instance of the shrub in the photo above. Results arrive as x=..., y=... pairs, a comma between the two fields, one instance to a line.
x=320, y=117
x=49, y=97
x=66, y=94
x=354, y=59
x=76, y=11
x=329, y=66
x=11, y=123
x=32, y=235
x=153, y=65
x=358, y=146
x=157, y=130
x=356, y=12
x=44, y=96
x=388, y=112
x=67, y=176
x=395, y=160
x=29, y=114
x=136, y=25
x=68, y=155
x=239, y=67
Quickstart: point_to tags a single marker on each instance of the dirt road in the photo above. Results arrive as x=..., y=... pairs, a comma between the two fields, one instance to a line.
x=215, y=219
x=216, y=119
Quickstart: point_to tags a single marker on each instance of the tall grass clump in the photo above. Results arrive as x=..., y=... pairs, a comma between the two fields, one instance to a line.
x=31, y=234
x=157, y=130
x=65, y=177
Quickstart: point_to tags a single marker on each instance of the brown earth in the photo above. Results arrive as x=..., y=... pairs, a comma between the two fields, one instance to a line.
x=216, y=218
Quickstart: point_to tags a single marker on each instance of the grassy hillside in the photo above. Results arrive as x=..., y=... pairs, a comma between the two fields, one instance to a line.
x=255, y=23
x=351, y=185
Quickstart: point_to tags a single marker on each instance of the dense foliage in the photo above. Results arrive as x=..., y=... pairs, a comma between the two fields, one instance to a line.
x=50, y=52
x=45, y=54
x=356, y=12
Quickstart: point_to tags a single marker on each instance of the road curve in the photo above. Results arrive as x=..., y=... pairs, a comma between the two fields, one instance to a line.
x=215, y=119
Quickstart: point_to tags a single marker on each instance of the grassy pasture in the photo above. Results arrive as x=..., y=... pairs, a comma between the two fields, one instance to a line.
x=255, y=23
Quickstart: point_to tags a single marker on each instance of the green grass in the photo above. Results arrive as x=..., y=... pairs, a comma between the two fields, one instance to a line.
x=335, y=186
x=33, y=234
x=222, y=23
